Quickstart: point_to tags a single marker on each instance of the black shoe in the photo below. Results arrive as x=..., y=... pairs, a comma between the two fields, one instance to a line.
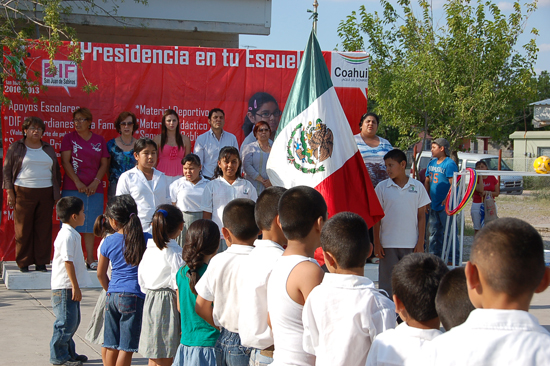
x=81, y=358
x=24, y=269
x=41, y=268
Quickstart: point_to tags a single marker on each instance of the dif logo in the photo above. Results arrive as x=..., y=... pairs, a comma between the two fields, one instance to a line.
x=65, y=74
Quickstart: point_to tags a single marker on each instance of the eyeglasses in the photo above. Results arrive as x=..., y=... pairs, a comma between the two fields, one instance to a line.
x=80, y=120
x=32, y=129
x=263, y=129
x=277, y=113
x=126, y=124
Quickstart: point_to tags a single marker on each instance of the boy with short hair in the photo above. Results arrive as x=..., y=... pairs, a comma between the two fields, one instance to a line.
x=452, y=302
x=404, y=201
x=506, y=268
x=344, y=314
x=68, y=275
x=415, y=280
x=302, y=214
x=221, y=284
x=253, y=328
x=439, y=175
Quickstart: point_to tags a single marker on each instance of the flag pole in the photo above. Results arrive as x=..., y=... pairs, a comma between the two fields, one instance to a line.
x=314, y=15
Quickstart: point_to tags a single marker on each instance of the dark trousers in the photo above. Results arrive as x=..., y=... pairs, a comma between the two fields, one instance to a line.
x=391, y=258
x=32, y=218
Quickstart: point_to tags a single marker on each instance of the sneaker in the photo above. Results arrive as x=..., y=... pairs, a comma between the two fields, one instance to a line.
x=81, y=358
x=92, y=266
x=24, y=269
x=41, y=268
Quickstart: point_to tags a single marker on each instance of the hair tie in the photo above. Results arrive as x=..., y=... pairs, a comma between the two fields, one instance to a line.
x=163, y=212
x=132, y=214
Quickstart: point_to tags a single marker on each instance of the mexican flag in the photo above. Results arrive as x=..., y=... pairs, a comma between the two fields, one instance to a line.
x=314, y=144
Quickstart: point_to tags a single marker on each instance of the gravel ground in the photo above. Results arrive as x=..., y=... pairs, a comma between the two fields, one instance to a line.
x=526, y=207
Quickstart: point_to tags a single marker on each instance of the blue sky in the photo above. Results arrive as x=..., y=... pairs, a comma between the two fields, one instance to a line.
x=290, y=25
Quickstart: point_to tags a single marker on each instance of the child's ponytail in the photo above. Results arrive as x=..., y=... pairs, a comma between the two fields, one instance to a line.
x=202, y=239
x=123, y=210
x=166, y=222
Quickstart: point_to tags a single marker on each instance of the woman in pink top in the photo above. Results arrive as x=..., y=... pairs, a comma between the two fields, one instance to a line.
x=486, y=185
x=85, y=159
x=173, y=146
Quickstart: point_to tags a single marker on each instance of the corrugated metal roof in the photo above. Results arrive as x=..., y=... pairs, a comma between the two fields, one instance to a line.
x=542, y=102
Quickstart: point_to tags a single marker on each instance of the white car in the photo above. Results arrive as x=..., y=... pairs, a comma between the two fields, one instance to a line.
x=508, y=184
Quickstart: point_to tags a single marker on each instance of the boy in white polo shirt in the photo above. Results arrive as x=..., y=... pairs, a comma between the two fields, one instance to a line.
x=401, y=231
x=221, y=284
x=68, y=275
x=505, y=270
x=415, y=281
x=344, y=314
x=253, y=328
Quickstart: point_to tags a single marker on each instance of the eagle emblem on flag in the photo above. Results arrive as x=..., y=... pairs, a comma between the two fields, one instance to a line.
x=309, y=146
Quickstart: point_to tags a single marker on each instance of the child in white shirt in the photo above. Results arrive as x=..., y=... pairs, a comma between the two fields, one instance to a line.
x=302, y=214
x=344, y=314
x=401, y=230
x=68, y=275
x=506, y=268
x=253, y=328
x=452, y=302
x=160, y=329
x=226, y=186
x=221, y=284
x=415, y=281
x=147, y=185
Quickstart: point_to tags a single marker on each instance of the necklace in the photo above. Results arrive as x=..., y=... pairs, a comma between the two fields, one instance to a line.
x=125, y=144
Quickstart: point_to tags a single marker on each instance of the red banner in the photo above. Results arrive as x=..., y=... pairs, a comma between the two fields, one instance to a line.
x=147, y=80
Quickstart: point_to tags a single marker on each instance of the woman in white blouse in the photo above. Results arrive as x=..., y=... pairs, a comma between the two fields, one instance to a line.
x=255, y=155
x=32, y=179
x=186, y=193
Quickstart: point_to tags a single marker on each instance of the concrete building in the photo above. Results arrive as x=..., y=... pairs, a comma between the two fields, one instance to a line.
x=194, y=23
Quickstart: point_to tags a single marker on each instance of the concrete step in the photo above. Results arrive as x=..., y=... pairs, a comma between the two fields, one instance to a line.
x=371, y=271
x=33, y=280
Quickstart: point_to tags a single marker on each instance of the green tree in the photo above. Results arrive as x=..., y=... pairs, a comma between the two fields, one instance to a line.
x=456, y=80
x=41, y=24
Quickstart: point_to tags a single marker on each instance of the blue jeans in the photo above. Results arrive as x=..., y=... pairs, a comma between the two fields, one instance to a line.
x=437, y=222
x=257, y=359
x=67, y=320
x=123, y=314
x=229, y=350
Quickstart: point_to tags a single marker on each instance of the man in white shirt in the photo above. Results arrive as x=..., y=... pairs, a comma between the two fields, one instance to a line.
x=253, y=328
x=209, y=144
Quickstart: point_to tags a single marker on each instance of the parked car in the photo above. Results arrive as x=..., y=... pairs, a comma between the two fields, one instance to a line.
x=508, y=184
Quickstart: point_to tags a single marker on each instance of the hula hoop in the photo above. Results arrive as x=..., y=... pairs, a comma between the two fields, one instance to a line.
x=467, y=195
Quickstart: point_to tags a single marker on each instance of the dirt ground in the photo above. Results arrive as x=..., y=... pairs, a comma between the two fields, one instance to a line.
x=526, y=207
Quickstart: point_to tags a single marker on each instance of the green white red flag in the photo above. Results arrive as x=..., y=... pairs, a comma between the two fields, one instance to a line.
x=314, y=144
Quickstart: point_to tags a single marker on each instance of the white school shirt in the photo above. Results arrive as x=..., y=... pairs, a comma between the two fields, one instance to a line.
x=158, y=268
x=218, y=193
x=222, y=282
x=393, y=347
x=134, y=183
x=208, y=147
x=186, y=195
x=286, y=315
x=257, y=266
x=490, y=337
x=67, y=247
x=400, y=207
x=342, y=316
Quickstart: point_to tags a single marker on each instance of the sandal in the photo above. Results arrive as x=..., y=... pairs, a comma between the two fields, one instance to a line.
x=92, y=266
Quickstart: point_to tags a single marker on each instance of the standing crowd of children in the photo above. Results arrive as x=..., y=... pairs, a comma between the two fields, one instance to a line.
x=267, y=301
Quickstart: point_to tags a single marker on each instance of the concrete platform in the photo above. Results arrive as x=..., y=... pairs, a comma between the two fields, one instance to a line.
x=33, y=280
